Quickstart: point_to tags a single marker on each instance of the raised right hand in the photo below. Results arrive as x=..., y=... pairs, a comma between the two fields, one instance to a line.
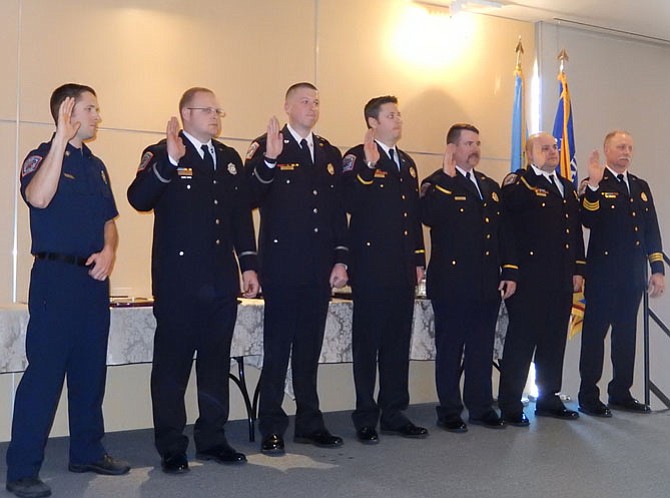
x=596, y=170
x=370, y=146
x=448, y=163
x=275, y=141
x=66, y=129
x=175, y=145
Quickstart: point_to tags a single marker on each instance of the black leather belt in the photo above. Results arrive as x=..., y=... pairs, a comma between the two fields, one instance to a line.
x=65, y=258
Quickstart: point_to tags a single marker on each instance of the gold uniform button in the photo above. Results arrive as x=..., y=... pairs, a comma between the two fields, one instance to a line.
x=218, y=242
x=316, y=230
x=402, y=197
x=181, y=253
x=544, y=204
x=637, y=242
x=315, y=210
x=567, y=246
x=405, y=232
x=216, y=202
x=367, y=244
x=217, y=221
x=486, y=220
x=567, y=230
x=487, y=253
x=315, y=192
x=488, y=235
x=453, y=263
x=215, y=182
x=635, y=228
x=607, y=253
x=462, y=210
x=288, y=181
x=634, y=213
x=531, y=253
x=612, y=206
x=405, y=215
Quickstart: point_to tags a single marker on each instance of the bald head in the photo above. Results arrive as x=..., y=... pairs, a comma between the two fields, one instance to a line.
x=542, y=151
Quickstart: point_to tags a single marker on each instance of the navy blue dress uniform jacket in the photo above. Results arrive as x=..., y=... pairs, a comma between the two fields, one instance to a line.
x=547, y=231
x=201, y=218
x=303, y=223
x=472, y=247
x=624, y=232
x=385, y=234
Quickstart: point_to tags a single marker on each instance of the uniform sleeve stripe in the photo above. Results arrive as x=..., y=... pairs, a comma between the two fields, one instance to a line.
x=591, y=206
x=342, y=248
x=158, y=175
x=247, y=253
x=443, y=190
x=420, y=251
x=580, y=262
x=258, y=177
x=511, y=267
x=655, y=257
x=363, y=181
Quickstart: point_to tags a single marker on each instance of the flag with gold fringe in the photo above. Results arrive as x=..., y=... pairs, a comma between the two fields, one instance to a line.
x=563, y=130
x=577, y=315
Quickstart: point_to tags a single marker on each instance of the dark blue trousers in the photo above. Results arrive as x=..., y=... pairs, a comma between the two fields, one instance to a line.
x=66, y=338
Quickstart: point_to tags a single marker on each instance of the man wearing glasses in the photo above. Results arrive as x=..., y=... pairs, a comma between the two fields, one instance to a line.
x=194, y=185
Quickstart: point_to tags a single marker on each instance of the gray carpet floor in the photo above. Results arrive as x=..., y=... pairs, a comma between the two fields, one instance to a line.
x=625, y=456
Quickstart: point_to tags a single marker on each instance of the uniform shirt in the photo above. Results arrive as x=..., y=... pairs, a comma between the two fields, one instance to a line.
x=624, y=231
x=73, y=222
x=547, y=230
x=472, y=247
x=385, y=226
x=303, y=223
x=201, y=218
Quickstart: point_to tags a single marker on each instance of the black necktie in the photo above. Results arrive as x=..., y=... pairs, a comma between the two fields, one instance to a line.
x=305, y=150
x=207, y=157
x=621, y=178
x=553, y=182
x=470, y=178
x=392, y=156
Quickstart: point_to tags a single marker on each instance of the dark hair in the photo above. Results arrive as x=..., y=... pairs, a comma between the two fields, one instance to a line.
x=188, y=95
x=372, y=108
x=454, y=132
x=64, y=91
x=302, y=84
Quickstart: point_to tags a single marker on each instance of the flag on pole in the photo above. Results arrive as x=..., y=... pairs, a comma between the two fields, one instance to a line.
x=519, y=132
x=577, y=314
x=564, y=133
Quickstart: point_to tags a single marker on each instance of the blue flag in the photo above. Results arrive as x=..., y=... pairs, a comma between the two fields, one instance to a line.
x=518, y=155
x=564, y=133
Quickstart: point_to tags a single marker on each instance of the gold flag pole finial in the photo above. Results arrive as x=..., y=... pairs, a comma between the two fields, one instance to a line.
x=563, y=57
x=519, y=53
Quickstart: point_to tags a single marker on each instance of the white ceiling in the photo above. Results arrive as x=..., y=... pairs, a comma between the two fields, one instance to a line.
x=649, y=18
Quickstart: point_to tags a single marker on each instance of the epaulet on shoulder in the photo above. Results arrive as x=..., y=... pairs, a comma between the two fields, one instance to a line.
x=321, y=139
x=511, y=178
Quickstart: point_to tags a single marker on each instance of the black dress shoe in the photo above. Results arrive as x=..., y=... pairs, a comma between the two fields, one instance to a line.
x=631, y=405
x=273, y=444
x=106, y=466
x=175, y=464
x=28, y=487
x=452, y=424
x=561, y=413
x=367, y=435
x=322, y=439
x=595, y=409
x=490, y=420
x=222, y=453
x=408, y=430
x=516, y=419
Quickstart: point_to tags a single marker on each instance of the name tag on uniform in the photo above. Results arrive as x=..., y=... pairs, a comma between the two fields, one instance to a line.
x=288, y=166
x=610, y=195
x=540, y=192
x=460, y=198
x=380, y=173
x=185, y=172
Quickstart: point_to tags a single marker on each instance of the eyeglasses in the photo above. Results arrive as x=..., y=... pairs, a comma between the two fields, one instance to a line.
x=209, y=110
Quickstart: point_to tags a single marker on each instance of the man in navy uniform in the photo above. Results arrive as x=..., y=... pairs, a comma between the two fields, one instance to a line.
x=295, y=179
x=74, y=241
x=618, y=208
x=472, y=265
x=195, y=186
x=387, y=261
x=544, y=212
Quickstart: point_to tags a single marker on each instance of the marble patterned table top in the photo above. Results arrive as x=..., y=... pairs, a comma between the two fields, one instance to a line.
x=132, y=330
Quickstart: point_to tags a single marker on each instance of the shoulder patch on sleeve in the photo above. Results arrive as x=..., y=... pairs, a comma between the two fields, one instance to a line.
x=146, y=159
x=348, y=163
x=425, y=186
x=510, y=179
x=582, y=186
x=30, y=165
x=252, y=149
